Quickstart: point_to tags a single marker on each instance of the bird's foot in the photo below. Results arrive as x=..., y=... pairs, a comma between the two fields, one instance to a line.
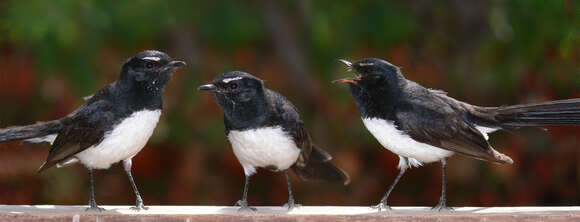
x=442, y=206
x=291, y=205
x=94, y=208
x=244, y=206
x=382, y=206
x=139, y=207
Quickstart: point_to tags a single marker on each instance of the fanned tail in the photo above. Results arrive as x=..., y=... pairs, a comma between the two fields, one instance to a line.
x=558, y=112
x=320, y=168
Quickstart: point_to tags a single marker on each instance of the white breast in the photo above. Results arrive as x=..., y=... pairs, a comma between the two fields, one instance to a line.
x=403, y=145
x=123, y=142
x=269, y=146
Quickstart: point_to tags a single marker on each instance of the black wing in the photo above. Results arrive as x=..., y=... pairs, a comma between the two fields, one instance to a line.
x=292, y=123
x=82, y=129
x=313, y=163
x=284, y=113
x=433, y=118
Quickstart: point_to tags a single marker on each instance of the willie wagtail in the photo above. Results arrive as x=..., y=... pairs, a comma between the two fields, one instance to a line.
x=423, y=125
x=113, y=125
x=266, y=131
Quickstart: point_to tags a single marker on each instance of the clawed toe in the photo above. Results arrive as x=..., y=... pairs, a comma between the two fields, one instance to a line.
x=441, y=206
x=244, y=206
x=382, y=206
x=291, y=205
x=95, y=209
x=247, y=209
x=139, y=208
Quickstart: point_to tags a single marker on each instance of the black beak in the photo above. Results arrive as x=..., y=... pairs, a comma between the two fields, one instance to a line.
x=176, y=64
x=346, y=62
x=207, y=87
x=348, y=80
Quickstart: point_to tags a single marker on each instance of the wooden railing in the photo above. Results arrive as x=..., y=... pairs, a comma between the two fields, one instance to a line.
x=304, y=213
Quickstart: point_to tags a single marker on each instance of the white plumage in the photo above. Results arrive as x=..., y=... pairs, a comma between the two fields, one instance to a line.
x=123, y=142
x=231, y=79
x=403, y=145
x=485, y=130
x=262, y=147
x=48, y=139
x=152, y=58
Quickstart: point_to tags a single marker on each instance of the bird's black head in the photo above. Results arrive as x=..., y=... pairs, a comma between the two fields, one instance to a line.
x=236, y=92
x=372, y=72
x=376, y=86
x=149, y=70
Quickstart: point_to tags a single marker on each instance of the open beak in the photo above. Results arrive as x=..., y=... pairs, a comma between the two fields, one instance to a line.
x=207, y=87
x=177, y=64
x=348, y=80
x=346, y=62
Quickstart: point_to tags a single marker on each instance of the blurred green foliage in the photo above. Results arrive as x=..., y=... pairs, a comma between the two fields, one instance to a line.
x=486, y=52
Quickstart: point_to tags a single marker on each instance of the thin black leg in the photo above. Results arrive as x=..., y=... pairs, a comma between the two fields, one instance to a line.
x=243, y=203
x=383, y=204
x=139, y=201
x=92, y=203
x=442, y=205
x=291, y=203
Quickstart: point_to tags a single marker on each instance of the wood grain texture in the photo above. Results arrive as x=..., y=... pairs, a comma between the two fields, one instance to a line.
x=305, y=213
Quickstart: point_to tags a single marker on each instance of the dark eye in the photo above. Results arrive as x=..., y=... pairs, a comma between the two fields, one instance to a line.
x=234, y=85
x=149, y=65
x=377, y=77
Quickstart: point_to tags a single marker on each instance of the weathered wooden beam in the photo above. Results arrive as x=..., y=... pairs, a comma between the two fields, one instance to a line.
x=304, y=213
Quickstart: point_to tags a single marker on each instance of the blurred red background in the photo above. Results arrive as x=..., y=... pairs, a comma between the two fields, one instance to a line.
x=486, y=53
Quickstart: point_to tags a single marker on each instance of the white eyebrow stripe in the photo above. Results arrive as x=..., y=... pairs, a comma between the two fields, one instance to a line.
x=152, y=58
x=366, y=64
x=231, y=79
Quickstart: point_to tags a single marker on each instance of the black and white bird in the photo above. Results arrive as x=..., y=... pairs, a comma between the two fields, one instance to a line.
x=423, y=125
x=266, y=131
x=113, y=125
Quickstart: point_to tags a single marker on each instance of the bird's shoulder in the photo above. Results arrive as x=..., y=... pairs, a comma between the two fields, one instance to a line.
x=285, y=114
x=432, y=117
x=280, y=108
x=416, y=99
x=84, y=127
x=421, y=110
x=98, y=107
x=107, y=93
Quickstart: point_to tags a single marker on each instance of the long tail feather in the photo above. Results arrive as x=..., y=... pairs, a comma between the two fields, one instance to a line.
x=39, y=129
x=558, y=112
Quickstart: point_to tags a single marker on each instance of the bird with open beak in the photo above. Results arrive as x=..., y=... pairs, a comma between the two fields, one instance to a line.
x=422, y=125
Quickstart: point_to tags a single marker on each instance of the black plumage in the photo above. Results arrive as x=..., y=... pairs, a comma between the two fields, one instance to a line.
x=248, y=106
x=431, y=117
x=138, y=90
